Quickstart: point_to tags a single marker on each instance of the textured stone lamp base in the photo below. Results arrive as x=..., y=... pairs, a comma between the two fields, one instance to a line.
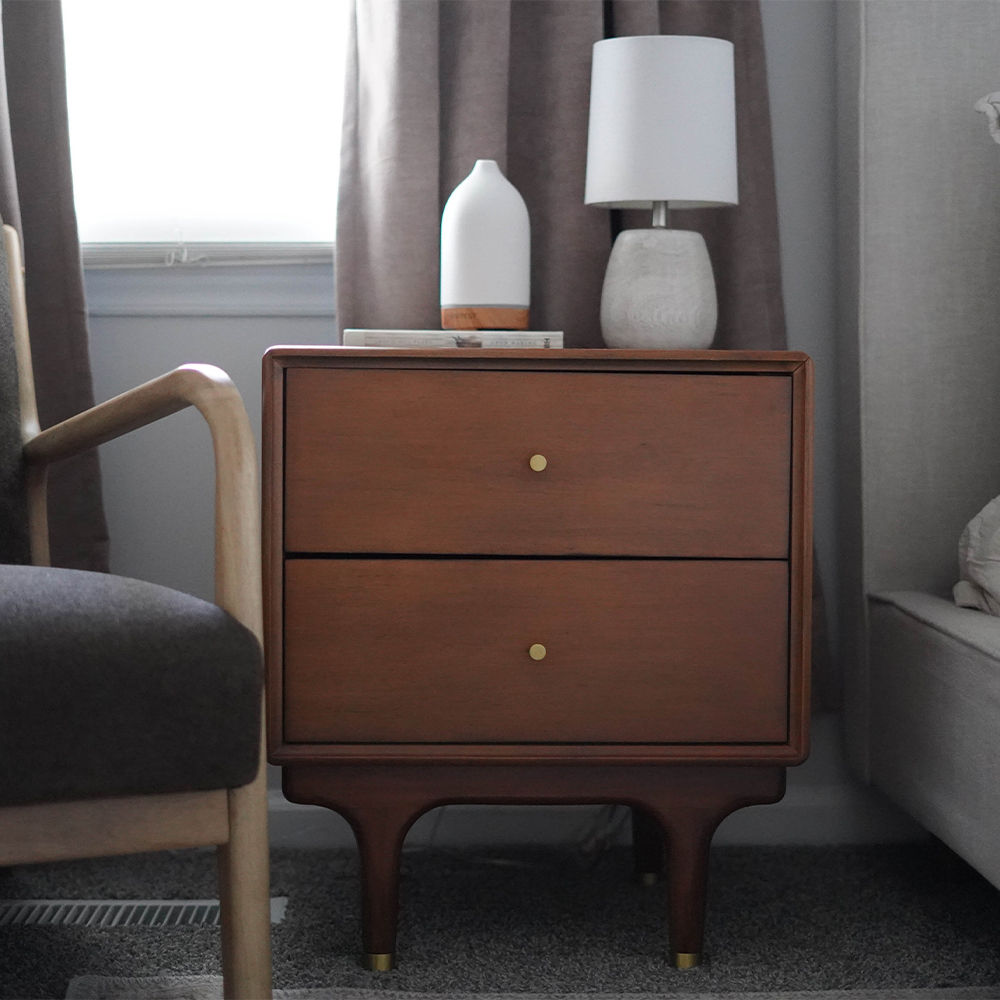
x=659, y=292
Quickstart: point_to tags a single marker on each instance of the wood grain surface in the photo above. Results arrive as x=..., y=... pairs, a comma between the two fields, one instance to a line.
x=658, y=562
x=437, y=650
x=410, y=462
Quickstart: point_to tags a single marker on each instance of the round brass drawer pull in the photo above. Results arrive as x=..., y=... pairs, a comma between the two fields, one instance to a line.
x=538, y=462
x=536, y=651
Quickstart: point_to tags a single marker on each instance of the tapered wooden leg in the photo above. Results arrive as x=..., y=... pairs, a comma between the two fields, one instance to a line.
x=647, y=847
x=689, y=810
x=381, y=807
x=689, y=840
x=380, y=836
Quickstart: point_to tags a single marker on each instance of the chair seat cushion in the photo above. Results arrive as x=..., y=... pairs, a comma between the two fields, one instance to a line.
x=111, y=686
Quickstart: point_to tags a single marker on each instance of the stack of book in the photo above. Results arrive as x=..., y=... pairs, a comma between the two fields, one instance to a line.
x=453, y=338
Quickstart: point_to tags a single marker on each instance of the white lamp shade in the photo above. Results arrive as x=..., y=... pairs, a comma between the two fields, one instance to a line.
x=662, y=123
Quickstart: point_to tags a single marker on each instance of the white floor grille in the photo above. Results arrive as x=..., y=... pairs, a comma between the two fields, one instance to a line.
x=120, y=912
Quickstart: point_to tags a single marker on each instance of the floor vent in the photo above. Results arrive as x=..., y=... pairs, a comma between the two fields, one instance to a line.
x=120, y=912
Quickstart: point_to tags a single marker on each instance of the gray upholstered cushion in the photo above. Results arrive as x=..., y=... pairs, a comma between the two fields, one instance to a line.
x=110, y=686
x=13, y=512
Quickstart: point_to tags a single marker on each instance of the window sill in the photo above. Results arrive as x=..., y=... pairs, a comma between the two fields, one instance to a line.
x=105, y=256
x=284, y=285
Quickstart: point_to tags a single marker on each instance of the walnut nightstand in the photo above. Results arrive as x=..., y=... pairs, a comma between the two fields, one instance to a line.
x=537, y=576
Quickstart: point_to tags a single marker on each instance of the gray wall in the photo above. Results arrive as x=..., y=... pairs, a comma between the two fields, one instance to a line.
x=919, y=254
x=143, y=322
x=159, y=501
x=930, y=298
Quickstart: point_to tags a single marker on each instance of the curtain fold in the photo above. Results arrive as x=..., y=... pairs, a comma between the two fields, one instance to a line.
x=36, y=196
x=433, y=85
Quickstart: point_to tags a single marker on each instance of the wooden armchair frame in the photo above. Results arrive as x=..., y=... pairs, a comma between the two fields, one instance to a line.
x=235, y=820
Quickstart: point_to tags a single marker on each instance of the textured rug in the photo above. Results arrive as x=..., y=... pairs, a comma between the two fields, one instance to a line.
x=782, y=922
x=210, y=988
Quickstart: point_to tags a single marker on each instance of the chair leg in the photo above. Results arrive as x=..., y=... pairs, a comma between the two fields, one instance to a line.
x=244, y=895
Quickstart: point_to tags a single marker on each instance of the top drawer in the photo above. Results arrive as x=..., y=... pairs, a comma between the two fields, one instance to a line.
x=437, y=461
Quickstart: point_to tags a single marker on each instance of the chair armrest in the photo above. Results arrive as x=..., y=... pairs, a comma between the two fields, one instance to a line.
x=237, y=511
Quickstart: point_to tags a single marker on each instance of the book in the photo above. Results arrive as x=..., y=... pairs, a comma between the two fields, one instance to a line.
x=453, y=338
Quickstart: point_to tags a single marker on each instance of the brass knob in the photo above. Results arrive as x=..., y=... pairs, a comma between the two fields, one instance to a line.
x=536, y=651
x=538, y=463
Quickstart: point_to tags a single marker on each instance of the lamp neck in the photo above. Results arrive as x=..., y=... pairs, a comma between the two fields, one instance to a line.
x=661, y=215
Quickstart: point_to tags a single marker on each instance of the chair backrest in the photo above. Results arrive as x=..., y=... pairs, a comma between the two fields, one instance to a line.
x=14, y=538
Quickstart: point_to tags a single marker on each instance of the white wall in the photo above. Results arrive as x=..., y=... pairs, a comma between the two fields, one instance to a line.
x=157, y=482
x=158, y=493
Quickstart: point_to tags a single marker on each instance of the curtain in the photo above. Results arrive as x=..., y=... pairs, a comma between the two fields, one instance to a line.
x=36, y=197
x=433, y=85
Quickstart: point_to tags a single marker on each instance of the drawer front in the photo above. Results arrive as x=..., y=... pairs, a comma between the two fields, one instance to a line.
x=436, y=461
x=437, y=651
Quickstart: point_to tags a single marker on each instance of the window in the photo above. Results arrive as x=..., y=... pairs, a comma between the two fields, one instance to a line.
x=205, y=121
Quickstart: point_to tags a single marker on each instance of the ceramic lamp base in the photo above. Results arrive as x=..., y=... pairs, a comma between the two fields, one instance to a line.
x=484, y=318
x=659, y=292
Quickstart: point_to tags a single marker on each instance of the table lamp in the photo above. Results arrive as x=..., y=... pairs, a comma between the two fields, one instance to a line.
x=662, y=136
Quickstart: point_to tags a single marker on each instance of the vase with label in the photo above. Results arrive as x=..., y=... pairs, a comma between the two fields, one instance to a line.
x=485, y=254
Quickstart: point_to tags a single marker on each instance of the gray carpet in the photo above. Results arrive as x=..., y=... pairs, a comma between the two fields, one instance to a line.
x=780, y=919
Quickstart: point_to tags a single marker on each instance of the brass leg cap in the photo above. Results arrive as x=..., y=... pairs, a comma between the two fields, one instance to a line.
x=379, y=962
x=687, y=959
x=649, y=878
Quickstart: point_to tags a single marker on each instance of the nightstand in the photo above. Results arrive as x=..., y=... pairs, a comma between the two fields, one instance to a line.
x=537, y=576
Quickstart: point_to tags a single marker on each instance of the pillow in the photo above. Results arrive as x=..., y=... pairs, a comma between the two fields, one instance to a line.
x=979, y=561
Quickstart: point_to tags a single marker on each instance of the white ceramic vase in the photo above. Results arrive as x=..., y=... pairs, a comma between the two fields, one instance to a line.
x=659, y=291
x=485, y=254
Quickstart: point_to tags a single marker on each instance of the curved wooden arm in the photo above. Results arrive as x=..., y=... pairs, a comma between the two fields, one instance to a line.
x=237, y=511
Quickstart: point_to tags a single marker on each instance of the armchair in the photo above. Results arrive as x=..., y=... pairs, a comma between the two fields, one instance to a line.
x=130, y=714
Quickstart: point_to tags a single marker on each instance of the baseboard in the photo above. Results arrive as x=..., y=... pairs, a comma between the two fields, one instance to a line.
x=808, y=814
x=820, y=814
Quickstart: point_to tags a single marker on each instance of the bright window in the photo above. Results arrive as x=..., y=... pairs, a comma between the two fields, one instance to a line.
x=205, y=120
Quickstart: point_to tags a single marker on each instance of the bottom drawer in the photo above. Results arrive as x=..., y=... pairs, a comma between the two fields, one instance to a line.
x=437, y=651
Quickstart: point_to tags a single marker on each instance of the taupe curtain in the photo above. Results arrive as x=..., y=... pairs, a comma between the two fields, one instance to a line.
x=434, y=85
x=36, y=196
